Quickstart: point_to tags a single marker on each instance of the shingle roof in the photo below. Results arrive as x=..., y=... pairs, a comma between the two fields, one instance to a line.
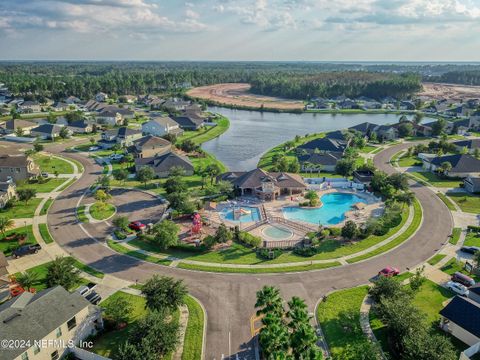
x=460, y=162
x=31, y=317
x=13, y=160
x=465, y=313
x=324, y=144
x=14, y=124
x=165, y=162
x=255, y=178
x=321, y=159
x=151, y=141
x=470, y=144
x=124, y=131
x=188, y=121
x=363, y=127
x=475, y=288
x=47, y=129
x=164, y=121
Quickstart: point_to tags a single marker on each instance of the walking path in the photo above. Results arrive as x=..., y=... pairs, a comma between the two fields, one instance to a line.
x=365, y=324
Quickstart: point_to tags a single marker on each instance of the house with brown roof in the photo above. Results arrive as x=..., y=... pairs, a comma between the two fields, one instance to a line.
x=150, y=146
x=265, y=185
x=11, y=126
x=30, y=107
x=17, y=168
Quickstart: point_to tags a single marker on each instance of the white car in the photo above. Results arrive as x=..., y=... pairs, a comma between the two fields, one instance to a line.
x=116, y=156
x=93, y=148
x=457, y=288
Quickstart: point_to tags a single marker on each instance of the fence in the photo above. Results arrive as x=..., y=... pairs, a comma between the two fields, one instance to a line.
x=281, y=244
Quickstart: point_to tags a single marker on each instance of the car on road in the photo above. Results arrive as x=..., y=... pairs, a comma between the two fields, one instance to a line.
x=116, y=157
x=462, y=279
x=93, y=148
x=470, y=249
x=457, y=288
x=44, y=174
x=26, y=250
x=137, y=225
x=389, y=272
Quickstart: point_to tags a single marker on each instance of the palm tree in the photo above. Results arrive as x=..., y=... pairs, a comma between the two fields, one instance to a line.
x=303, y=341
x=6, y=224
x=417, y=118
x=403, y=118
x=445, y=167
x=274, y=339
x=269, y=301
x=27, y=279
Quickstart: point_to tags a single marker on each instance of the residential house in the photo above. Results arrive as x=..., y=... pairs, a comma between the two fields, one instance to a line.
x=461, y=127
x=156, y=103
x=17, y=168
x=386, y=132
x=463, y=165
x=431, y=109
x=47, y=131
x=129, y=99
x=363, y=176
x=407, y=105
x=472, y=185
x=470, y=145
x=474, y=292
x=475, y=120
x=150, y=146
x=11, y=126
x=175, y=104
x=371, y=105
x=456, y=111
x=29, y=107
x=265, y=185
x=3, y=266
x=61, y=106
x=72, y=100
x=101, y=96
x=123, y=136
x=323, y=145
x=316, y=162
x=461, y=318
x=473, y=103
x=163, y=164
x=51, y=315
x=8, y=191
x=110, y=118
x=365, y=128
x=449, y=126
x=80, y=127
x=347, y=104
x=161, y=126
x=189, y=122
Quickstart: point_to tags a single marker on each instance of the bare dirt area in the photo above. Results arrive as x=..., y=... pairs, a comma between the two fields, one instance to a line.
x=238, y=94
x=450, y=91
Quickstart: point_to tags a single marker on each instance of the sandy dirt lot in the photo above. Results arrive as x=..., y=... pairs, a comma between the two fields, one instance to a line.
x=450, y=91
x=238, y=94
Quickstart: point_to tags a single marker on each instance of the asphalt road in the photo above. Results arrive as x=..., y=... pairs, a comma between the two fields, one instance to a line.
x=229, y=298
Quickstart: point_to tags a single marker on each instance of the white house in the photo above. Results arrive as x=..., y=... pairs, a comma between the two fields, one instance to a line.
x=111, y=118
x=160, y=126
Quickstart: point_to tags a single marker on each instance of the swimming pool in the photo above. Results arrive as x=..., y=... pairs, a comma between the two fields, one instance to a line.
x=277, y=232
x=244, y=213
x=331, y=213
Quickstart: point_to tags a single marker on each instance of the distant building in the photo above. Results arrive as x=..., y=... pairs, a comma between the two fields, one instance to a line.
x=472, y=185
x=189, y=122
x=17, y=168
x=80, y=127
x=161, y=126
x=11, y=126
x=462, y=165
x=111, y=118
x=30, y=107
x=101, y=96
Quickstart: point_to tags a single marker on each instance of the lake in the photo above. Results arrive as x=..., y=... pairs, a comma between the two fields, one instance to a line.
x=252, y=133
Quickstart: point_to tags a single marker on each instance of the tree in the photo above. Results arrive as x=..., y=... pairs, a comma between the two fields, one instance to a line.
x=417, y=118
x=175, y=184
x=180, y=201
x=26, y=194
x=104, y=182
x=269, y=301
x=118, y=309
x=405, y=129
x=426, y=346
x=64, y=132
x=188, y=146
x=385, y=287
x=445, y=167
x=6, y=224
x=164, y=293
x=128, y=159
x=438, y=127
x=403, y=119
x=406, y=197
x=92, y=140
x=222, y=234
x=417, y=279
x=294, y=166
x=349, y=230
x=121, y=222
x=145, y=174
x=312, y=197
x=399, y=181
x=102, y=196
x=62, y=271
x=282, y=164
x=19, y=131
x=120, y=175
x=37, y=147
x=27, y=279
x=274, y=338
x=165, y=234
x=345, y=167
x=213, y=170
x=476, y=153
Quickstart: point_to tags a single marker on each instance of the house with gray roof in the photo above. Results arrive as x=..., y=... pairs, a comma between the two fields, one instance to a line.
x=323, y=145
x=11, y=126
x=316, y=162
x=39, y=319
x=46, y=131
x=17, y=168
x=161, y=126
x=150, y=146
x=472, y=185
x=470, y=145
x=190, y=121
x=463, y=165
x=461, y=319
x=163, y=164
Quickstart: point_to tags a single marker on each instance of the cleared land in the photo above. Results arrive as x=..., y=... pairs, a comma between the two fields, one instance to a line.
x=449, y=91
x=237, y=94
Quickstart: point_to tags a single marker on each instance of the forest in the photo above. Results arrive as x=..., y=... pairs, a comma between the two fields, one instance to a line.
x=299, y=80
x=471, y=77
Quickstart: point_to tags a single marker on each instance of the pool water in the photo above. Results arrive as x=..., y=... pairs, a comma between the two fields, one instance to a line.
x=278, y=233
x=251, y=214
x=335, y=205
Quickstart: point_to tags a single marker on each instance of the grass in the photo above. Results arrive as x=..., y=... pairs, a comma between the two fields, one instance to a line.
x=211, y=132
x=46, y=206
x=455, y=236
x=264, y=270
x=436, y=259
x=446, y=201
x=467, y=202
x=21, y=210
x=8, y=246
x=67, y=184
x=453, y=266
x=109, y=342
x=377, y=150
x=45, y=233
x=368, y=149
x=339, y=317
x=87, y=269
x=193, y=343
x=417, y=219
x=472, y=239
x=435, y=180
x=43, y=186
x=407, y=161
x=81, y=214
x=102, y=211
x=136, y=254
x=403, y=276
x=50, y=164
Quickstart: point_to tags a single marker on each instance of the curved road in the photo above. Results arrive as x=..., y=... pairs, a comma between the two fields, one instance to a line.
x=229, y=298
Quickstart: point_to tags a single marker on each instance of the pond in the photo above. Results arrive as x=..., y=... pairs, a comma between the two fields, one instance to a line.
x=252, y=133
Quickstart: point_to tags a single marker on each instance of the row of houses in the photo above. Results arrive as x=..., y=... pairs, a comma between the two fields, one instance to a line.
x=362, y=103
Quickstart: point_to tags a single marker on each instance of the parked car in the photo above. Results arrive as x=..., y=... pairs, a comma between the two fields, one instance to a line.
x=26, y=250
x=93, y=148
x=470, y=249
x=84, y=290
x=389, y=272
x=137, y=225
x=463, y=279
x=93, y=297
x=457, y=288
x=44, y=174
x=116, y=157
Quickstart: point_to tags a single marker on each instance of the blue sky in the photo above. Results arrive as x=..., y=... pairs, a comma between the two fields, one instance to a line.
x=323, y=30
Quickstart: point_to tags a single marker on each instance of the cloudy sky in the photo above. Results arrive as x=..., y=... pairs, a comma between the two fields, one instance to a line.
x=328, y=30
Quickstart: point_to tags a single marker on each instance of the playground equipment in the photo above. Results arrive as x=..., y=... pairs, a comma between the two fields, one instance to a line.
x=15, y=288
x=196, y=224
x=239, y=212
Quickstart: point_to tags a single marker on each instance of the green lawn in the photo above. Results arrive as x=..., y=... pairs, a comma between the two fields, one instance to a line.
x=454, y=266
x=136, y=254
x=192, y=347
x=436, y=259
x=20, y=210
x=51, y=164
x=199, y=137
x=46, y=206
x=102, y=211
x=8, y=246
x=87, y=269
x=67, y=184
x=368, y=148
x=339, y=317
x=81, y=214
x=472, y=239
x=435, y=180
x=407, y=161
x=46, y=236
x=455, y=236
x=446, y=201
x=109, y=342
x=417, y=219
x=296, y=268
x=43, y=186
x=467, y=202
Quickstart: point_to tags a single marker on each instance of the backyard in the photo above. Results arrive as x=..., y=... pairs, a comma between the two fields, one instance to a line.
x=467, y=202
x=435, y=180
x=21, y=210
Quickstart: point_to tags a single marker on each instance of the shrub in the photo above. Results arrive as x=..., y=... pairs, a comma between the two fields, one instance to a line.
x=335, y=231
x=249, y=239
x=269, y=254
x=306, y=251
x=120, y=235
x=473, y=228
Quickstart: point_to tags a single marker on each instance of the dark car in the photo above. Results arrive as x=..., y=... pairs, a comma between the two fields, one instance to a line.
x=470, y=249
x=463, y=279
x=93, y=297
x=26, y=250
